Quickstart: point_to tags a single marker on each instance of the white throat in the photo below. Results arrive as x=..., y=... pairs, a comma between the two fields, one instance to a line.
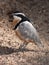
x=17, y=18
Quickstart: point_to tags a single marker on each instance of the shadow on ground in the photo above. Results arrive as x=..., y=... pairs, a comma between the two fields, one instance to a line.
x=7, y=50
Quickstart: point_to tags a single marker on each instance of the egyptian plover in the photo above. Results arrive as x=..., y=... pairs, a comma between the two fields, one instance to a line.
x=24, y=29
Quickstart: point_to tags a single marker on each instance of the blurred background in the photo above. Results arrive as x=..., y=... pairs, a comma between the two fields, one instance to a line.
x=38, y=12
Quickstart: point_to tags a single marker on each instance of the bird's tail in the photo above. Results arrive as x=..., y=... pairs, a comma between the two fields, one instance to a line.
x=36, y=38
x=38, y=41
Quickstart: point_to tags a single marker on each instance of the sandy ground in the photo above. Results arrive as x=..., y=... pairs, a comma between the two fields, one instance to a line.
x=10, y=54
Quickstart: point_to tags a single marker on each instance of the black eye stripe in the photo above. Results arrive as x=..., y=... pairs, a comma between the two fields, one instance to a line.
x=24, y=18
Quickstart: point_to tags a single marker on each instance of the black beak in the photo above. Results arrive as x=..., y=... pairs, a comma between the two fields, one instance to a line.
x=11, y=18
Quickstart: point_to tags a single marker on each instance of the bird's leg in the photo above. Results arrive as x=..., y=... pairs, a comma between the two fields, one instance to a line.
x=23, y=46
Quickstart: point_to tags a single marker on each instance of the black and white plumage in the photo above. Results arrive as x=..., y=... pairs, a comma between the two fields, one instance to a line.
x=24, y=29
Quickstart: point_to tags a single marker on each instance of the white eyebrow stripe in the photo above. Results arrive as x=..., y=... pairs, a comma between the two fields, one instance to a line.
x=20, y=13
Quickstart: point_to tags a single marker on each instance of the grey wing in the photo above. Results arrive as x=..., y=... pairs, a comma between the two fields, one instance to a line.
x=28, y=31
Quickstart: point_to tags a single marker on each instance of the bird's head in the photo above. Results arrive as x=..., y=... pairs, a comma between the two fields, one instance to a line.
x=16, y=16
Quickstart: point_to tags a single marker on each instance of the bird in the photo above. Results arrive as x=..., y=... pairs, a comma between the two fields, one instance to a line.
x=24, y=29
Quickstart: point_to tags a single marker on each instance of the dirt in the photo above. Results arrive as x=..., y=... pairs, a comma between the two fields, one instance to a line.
x=38, y=13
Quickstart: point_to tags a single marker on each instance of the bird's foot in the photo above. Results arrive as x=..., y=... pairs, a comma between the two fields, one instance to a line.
x=23, y=46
